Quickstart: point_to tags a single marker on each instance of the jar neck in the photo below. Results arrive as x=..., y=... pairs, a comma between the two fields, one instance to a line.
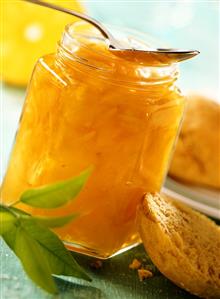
x=88, y=52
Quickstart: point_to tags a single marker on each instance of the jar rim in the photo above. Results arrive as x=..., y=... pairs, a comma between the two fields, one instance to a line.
x=104, y=63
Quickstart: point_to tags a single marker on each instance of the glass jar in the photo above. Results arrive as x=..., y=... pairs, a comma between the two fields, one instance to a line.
x=84, y=107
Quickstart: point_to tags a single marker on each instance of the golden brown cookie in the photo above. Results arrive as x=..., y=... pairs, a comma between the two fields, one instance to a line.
x=182, y=243
x=196, y=159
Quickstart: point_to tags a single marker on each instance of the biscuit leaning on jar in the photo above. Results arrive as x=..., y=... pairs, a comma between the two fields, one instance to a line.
x=196, y=159
x=182, y=243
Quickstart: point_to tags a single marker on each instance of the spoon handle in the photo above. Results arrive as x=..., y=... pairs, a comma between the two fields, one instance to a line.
x=84, y=17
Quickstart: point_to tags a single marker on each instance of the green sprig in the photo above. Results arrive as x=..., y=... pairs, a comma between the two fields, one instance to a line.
x=40, y=251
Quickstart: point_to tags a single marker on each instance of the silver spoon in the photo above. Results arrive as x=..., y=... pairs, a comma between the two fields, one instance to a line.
x=158, y=56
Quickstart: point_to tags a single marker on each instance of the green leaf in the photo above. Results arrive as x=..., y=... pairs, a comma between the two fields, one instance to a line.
x=55, y=195
x=60, y=260
x=55, y=221
x=47, y=221
x=32, y=257
x=41, y=253
x=7, y=220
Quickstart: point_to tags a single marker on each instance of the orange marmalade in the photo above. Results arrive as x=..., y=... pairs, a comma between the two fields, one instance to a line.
x=86, y=107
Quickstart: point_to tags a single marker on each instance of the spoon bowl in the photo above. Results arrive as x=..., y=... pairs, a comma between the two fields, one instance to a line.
x=155, y=57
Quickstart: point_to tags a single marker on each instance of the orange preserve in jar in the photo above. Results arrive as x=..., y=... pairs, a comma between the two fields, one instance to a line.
x=84, y=107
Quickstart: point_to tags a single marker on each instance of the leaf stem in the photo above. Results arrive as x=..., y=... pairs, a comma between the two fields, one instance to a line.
x=14, y=203
x=9, y=210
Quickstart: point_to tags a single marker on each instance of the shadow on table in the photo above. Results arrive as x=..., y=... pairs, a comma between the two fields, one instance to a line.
x=120, y=282
x=71, y=290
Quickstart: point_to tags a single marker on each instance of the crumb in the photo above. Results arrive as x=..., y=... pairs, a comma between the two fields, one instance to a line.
x=96, y=264
x=143, y=274
x=136, y=264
